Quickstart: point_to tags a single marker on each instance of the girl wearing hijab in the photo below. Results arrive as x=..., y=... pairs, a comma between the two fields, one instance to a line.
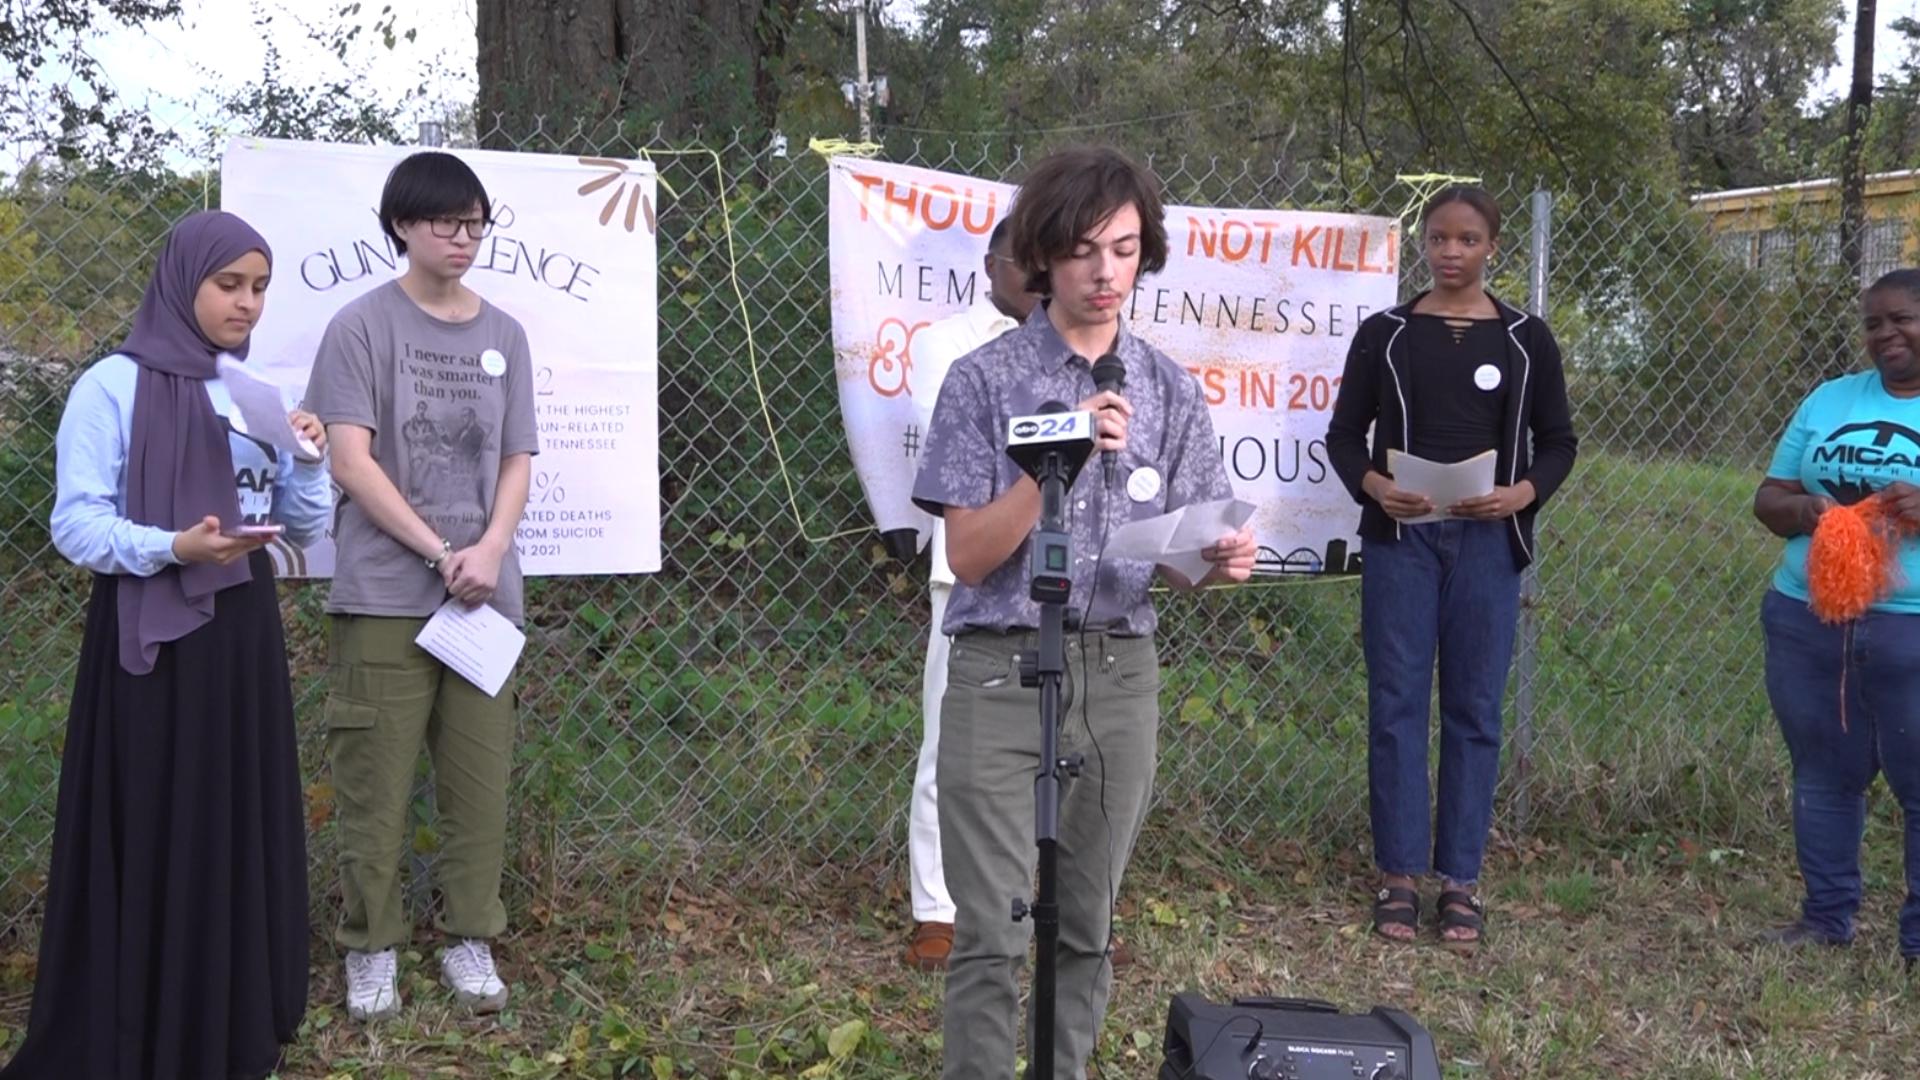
x=175, y=943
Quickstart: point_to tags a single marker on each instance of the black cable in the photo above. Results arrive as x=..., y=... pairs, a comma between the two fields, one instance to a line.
x=1260, y=1031
x=1113, y=885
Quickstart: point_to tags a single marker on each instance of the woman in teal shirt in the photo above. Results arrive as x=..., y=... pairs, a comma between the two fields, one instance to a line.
x=1848, y=697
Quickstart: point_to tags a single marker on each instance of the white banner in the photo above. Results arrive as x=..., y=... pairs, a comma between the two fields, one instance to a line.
x=1261, y=305
x=572, y=257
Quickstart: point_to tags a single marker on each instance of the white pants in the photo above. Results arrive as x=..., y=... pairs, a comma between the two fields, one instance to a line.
x=931, y=901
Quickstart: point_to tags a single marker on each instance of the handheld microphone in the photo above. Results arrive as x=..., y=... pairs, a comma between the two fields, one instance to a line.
x=1109, y=374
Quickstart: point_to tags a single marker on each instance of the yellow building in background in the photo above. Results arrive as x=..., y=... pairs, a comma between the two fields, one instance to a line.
x=1796, y=227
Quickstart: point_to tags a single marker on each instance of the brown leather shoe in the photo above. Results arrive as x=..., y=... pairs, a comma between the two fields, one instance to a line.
x=931, y=945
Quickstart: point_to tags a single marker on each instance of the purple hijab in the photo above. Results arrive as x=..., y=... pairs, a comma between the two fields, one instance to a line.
x=179, y=464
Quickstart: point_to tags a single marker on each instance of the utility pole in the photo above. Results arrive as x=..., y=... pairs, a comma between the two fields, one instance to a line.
x=1853, y=175
x=863, y=90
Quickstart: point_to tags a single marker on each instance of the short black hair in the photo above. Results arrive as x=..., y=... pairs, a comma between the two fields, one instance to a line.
x=999, y=234
x=427, y=185
x=1069, y=195
x=1473, y=196
x=1906, y=278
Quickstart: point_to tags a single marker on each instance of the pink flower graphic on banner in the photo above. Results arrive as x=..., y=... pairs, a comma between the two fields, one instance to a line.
x=638, y=203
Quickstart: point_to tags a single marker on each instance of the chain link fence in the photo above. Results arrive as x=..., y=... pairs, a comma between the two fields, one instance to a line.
x=751, y=711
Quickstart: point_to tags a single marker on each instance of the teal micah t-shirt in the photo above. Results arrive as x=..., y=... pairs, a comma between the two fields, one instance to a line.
x=1849, y=439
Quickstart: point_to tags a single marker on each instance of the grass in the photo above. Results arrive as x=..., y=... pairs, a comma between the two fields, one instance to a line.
x=1633, y=957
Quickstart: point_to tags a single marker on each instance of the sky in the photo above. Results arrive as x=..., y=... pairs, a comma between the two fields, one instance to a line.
x=1886, y=52
x=180, y=69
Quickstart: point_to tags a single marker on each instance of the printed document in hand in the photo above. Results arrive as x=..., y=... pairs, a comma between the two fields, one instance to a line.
x=1174, y=540
x=262, y=408
x=479, y=644
x=1444, y=484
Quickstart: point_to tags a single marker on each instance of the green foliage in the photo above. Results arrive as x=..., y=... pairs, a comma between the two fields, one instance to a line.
x=79, y=243
x=1678, y=348
x=1657, y=92
x=1893, y=132
x=334, y=111
x=1743, y=67
x=78, y=117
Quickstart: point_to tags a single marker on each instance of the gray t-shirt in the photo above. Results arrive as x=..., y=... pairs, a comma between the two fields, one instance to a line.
x=1171, y=451
x=445, y=401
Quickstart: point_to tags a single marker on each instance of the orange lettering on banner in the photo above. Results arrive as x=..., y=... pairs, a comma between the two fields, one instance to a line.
x=1318, y=247
x=867, y=184
x=1226, y=240
x=1340, y=250
x=906, y=198
x=1218, y=240
x=1252, y=388
x=891, y=362
x=988, y=213
x=1255, y=385
x=1361, y=263
x=1204, y=234
x=953, y=207
x=1213, y=383
x=937, y=206
x=1303, y=246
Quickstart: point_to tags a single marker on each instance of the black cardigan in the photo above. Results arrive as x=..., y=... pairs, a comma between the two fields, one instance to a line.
x=1374, y=390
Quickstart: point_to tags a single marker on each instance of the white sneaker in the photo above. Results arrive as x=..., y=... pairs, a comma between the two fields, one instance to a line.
x=373, y=984
x=467, y=969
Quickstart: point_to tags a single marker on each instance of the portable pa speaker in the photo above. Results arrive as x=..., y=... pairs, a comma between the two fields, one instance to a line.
x=1258, y=1038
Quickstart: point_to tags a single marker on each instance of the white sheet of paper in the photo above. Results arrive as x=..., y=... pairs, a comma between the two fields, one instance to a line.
x=1444, y=484
x=1174, y=539
x=479, y=644
x=263, y=409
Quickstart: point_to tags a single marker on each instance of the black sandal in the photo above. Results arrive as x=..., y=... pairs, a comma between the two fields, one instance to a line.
x=1386, y=913
x=1452, y=917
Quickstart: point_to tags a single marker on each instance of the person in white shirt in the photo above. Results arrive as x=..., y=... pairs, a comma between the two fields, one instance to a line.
x=1004, y=304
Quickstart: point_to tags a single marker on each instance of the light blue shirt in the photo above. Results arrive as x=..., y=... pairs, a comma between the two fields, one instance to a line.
x=1849, y=439
x=90, y=524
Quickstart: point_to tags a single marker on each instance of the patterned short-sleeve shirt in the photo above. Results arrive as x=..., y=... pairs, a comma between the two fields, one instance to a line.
x=964, y=464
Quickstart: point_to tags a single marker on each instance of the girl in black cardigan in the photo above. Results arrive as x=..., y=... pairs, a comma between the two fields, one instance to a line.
x=1452, y=374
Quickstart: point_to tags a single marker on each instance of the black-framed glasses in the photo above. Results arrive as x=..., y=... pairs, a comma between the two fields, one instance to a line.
x=446, y=228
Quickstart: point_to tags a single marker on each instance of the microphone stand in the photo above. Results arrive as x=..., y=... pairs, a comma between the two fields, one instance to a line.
x=1053, y=465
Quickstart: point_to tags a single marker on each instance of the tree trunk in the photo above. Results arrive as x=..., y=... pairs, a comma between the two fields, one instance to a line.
x=547, y=65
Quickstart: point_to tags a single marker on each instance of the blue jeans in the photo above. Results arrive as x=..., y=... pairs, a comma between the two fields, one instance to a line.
x=1446, y=590
x=1848, y=701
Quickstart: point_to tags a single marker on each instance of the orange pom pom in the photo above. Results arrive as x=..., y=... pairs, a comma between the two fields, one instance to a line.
x=1851, y=563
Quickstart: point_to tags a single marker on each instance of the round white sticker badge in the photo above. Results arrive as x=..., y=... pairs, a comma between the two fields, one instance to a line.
x=1486, y=377
x=493, y=362
x=1143, y=484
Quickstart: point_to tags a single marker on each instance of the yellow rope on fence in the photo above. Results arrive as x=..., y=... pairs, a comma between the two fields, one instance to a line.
x=753, y=345
x=1425, y=185
x=827, y=148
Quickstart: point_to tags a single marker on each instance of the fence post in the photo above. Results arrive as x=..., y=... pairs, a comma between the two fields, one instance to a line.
x=1540, y=253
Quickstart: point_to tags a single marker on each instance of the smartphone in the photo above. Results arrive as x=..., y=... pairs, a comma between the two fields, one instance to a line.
x=255, y=530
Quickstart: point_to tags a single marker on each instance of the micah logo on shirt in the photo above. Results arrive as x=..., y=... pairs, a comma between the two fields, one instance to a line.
x=1855, y=460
